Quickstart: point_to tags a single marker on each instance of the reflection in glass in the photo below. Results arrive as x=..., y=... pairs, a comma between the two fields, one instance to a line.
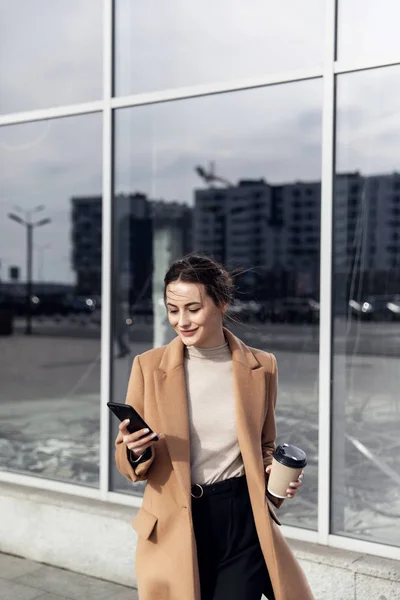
x=366, y=418
x=50, y=53
x=163, y=45
x=244, y=189
x=368, y=29
x=50, y=297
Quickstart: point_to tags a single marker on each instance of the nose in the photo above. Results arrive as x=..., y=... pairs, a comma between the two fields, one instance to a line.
x=183, y=319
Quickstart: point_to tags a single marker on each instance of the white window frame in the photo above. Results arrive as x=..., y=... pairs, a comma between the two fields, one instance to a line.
x=106, y=106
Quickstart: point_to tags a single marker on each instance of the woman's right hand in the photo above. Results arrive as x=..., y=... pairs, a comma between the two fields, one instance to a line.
x=139, y=441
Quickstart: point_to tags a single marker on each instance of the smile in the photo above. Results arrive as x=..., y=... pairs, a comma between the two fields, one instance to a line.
x=188, y=332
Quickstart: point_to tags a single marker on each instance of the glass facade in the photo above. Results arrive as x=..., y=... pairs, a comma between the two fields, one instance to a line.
x=365, y=496
x=217, y=139
x=50, y=53
x=367, y=30
x=50, y=240
x=264, y=217
x=183, y=45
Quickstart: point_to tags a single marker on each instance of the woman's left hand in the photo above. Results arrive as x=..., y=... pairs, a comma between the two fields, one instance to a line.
x=294, y=485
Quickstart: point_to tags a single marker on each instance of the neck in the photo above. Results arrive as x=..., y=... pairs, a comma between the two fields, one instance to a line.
x=214, y=342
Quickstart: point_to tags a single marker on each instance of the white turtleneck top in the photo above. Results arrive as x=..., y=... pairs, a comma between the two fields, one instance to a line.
x=214, y=448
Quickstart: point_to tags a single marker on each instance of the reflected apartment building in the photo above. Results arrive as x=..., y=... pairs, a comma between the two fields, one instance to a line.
x=274, y=230
x=271, y=230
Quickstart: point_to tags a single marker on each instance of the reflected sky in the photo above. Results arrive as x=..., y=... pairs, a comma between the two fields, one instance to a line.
x=47, y=163
x=183, y=44
x=368, y=120
x=368, y=29
x=272, y=133
x=50, y=53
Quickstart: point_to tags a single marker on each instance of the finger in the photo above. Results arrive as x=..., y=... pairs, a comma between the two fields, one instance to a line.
x=268, y=469
x=137, y=436
x=123, y=427
x=140, y=449
x=296, y=484
x=133, y=444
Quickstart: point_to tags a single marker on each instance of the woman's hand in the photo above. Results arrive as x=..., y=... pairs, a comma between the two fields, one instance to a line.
x=139, y=441
x=294, y=485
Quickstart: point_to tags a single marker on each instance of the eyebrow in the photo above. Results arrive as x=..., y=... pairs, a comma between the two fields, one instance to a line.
x=188, y=304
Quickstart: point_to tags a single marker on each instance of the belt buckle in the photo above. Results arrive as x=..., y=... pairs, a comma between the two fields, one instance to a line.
x=201, y=490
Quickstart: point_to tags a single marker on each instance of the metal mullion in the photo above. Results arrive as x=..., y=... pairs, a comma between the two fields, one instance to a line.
x=365, y=65
x=51, y=113
x=106, y=338
x=216, y=88
x=51, y=485
x=325, y=346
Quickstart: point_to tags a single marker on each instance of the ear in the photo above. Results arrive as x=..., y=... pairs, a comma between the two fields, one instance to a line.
x=224, y=308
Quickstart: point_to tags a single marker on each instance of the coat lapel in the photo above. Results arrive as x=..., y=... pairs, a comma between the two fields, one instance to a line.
x=173, y=408
x=249, y=382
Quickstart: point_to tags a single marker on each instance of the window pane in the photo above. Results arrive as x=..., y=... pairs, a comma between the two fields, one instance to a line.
x=50, y=53
x=366, y=418
x=50, y=379
x=367, y=28
x=162, y=45
x=261, y=212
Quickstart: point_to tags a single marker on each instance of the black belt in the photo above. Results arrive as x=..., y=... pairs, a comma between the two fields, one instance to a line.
x=234, y=484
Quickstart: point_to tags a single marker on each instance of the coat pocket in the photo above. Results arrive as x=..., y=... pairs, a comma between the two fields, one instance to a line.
x=273, y=515
x=144, y=523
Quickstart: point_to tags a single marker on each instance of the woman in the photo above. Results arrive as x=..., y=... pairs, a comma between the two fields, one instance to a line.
x=206, y=528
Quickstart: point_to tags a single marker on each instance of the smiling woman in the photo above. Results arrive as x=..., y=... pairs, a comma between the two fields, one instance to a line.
x=214, y=399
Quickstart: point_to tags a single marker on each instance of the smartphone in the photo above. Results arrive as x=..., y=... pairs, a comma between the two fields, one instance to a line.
x=126, y=411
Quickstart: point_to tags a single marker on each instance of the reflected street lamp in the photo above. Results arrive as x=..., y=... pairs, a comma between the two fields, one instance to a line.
x=210, y=176
x=29, y=226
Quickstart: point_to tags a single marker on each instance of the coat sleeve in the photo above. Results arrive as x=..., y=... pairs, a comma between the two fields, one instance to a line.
x=134, y=397
x=269, y=428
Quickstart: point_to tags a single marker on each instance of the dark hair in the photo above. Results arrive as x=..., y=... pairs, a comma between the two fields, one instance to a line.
x=195, y=268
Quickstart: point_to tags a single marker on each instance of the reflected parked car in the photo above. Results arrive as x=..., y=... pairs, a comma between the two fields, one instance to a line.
x=393, y=307
x=248, y=310
x=295, y=310
x=142, y=311
x=377, y=308
x=78, y=305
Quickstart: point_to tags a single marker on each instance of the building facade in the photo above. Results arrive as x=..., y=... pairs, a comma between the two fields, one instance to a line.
x=262, y=135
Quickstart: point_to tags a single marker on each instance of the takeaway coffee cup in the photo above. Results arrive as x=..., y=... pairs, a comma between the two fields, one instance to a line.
x=287, y=463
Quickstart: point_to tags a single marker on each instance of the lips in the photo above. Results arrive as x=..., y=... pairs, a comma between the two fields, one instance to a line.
x=188, y=332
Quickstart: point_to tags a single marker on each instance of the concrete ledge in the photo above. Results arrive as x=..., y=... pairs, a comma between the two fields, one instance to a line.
x=83, y=535
x=95, y=538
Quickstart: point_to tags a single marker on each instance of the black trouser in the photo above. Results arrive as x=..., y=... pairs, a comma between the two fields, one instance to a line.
x=231, y=564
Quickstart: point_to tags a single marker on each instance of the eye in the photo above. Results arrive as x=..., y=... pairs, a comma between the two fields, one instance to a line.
x=194, y=310
x=172, y=312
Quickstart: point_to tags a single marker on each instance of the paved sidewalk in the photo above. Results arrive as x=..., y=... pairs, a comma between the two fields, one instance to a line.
x=26, y=580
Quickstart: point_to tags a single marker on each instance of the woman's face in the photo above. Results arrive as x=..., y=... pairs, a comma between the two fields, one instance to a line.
x=193, y=315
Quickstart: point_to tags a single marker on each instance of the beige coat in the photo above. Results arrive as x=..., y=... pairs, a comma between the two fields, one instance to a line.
x=166, y=559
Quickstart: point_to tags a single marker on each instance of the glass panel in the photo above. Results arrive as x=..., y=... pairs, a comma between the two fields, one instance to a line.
x=50, y=53
x=50, y=277
x=162, y=45
x=255, y=206
x=366, y=417
x=367, y=28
